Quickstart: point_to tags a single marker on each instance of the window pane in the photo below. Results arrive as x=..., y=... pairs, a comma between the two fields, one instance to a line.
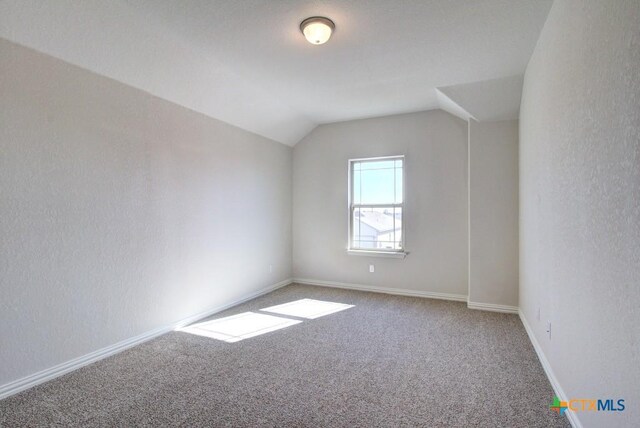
x=381, y=164
x=377, y=186
x=397, y=237
x=398, y=182
x=376, y=182
x=356, y=185
x=377, y=228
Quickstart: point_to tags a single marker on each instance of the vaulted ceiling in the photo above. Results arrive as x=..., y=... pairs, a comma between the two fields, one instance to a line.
x=245, y=62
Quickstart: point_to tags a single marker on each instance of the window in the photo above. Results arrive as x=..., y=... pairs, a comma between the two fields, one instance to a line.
x=376, y=205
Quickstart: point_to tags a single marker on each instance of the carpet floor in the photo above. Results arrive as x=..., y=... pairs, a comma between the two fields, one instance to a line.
x=388, y=361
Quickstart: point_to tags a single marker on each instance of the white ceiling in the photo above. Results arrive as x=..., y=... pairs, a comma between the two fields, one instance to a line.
x=245, y=61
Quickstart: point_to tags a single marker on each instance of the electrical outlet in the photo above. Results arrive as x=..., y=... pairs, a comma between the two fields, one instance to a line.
x=549, y=329
x=372, y=268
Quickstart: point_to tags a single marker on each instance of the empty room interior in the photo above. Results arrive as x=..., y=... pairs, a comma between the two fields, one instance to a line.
x=320, y=213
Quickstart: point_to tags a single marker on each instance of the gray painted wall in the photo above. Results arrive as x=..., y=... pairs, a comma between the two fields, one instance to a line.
x=435, y=146
x=121, y=213
x=493, y=212
x=580, y=201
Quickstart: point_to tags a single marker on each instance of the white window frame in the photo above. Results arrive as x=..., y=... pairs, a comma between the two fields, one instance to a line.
x=380, y=252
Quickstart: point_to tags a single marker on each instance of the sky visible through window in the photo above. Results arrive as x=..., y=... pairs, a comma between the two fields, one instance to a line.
x=377, y=182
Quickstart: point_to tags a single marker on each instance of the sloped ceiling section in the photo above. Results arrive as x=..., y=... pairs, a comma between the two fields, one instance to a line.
x=450, y=106
x=246, y=63
x=489, y=100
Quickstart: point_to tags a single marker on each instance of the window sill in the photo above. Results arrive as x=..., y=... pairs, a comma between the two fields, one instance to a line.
x=388, y=254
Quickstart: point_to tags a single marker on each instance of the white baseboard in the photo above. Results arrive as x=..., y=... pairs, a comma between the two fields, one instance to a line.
x=396, y=291
x=492, y=307
x=27, y=382
x=557, y=389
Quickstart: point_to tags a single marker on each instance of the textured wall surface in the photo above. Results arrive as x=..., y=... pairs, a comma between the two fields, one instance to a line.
x=435, y=146
x=580, y=201
x=493, y=212
x=121, y=213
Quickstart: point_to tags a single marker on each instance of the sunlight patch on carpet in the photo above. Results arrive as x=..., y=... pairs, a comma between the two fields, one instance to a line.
x=307, y=308
x=238, y=327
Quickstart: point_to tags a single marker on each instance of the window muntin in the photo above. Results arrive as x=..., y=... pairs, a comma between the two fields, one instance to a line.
x=376, y=198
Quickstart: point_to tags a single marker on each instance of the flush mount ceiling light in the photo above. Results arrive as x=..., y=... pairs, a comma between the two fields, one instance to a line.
x=317, y=29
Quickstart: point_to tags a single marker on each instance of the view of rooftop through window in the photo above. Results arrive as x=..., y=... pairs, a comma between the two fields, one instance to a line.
x=376, y=204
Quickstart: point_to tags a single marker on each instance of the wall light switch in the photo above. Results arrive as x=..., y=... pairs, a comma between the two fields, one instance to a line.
x=372, y=268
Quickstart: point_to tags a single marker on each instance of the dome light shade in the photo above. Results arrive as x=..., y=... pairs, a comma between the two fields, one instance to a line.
x=317, y=29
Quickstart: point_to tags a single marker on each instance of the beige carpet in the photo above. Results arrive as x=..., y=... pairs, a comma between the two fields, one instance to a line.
x=388, y=361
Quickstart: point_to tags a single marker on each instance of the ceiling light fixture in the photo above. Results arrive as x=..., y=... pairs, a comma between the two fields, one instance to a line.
x=317, y=29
